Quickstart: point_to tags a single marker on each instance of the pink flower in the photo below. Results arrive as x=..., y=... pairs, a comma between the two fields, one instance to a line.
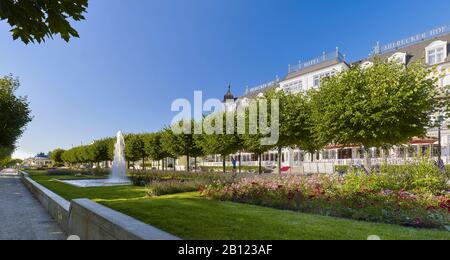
x=418, y=221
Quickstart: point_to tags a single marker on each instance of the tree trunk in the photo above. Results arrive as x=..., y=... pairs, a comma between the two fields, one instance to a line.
x=174, y=164
x=260, y=163
x=143, y=163
x=279, y=159
x=240, y=163
x=224, y=164
x=195, y=164
x=188, y=163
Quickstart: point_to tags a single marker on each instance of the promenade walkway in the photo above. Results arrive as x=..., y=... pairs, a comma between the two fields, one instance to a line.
x=21, y=216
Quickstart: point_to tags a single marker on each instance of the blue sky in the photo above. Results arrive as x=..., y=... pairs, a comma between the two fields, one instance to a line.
x=135, y=57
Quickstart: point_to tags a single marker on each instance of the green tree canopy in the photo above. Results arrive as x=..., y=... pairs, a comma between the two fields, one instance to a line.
x=181, y=144
x=35, y=20
x=386, y=104
x=9, y=162
x=56, y=156
x=254, y=134
x=154, y=147
x=222, y=143
x=14, y=115
x=100, y=150
x=135, y=148
x=297, y=124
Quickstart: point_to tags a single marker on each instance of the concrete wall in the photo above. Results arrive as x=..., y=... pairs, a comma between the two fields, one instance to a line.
x=57, y=207
x=92, y=221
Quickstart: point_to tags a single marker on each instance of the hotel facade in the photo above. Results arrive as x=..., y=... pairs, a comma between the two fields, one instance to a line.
x=431, y=47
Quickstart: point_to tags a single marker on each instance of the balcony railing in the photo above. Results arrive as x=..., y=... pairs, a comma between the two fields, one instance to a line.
x=319, y=60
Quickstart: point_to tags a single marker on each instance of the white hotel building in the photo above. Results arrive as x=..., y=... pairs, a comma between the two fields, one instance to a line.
x=432, y=47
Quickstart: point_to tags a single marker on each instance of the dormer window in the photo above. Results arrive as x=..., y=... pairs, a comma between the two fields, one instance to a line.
x=436, y=52
x=436, y=56
x=399, y=57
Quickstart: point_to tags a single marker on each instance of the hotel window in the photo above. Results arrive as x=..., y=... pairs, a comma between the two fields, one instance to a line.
x=294, y=87
x=318, y=78
x=436, y=56
x=326, y=155
x=436, y=52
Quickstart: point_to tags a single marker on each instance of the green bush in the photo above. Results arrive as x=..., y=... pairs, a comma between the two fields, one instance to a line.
x=342, y=169
x=144, y=178
x=160, y=188
x=420, y=177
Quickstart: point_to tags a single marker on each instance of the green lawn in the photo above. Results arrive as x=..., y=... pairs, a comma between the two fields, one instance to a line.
x=191, y=216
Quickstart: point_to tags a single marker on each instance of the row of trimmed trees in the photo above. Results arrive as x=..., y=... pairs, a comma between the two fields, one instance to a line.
x=381, y=106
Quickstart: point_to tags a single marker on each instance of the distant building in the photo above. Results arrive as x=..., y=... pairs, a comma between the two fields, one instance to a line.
x=40, y=160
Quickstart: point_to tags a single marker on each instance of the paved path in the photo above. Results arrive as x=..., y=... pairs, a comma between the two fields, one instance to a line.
x=21, y=216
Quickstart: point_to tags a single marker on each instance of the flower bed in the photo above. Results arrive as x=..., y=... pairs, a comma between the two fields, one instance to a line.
x=160, y=183
x=141, y=178
x=415, y=197
x=161, y=188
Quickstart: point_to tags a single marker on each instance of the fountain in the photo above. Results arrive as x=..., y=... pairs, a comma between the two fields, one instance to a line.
x=119, y=168
x=118, y=174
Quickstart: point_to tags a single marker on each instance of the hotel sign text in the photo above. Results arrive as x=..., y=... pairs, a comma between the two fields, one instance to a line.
x=411, y=40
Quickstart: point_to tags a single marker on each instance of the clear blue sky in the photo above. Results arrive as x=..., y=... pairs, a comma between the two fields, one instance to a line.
x=135, y=57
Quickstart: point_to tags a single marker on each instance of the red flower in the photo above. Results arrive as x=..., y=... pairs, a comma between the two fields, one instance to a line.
x=443, y=205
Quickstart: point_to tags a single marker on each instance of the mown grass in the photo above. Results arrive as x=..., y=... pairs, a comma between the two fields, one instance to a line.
x=191, y=216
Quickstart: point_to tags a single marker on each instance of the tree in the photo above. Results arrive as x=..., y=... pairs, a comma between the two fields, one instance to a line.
x=222, y=143
x=14, y=115
x=154, y=147
x=254, y=134
x=9, y=162
x=35, y=20
x=56, y=156
x=298, y=123
x=386, y=104
x=135, y=148
x=181, y=144
x=100, y=150
x=292, y=121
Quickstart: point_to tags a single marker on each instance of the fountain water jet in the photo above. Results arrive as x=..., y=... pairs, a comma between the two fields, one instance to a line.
x=119, y=168
x=118, y=174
